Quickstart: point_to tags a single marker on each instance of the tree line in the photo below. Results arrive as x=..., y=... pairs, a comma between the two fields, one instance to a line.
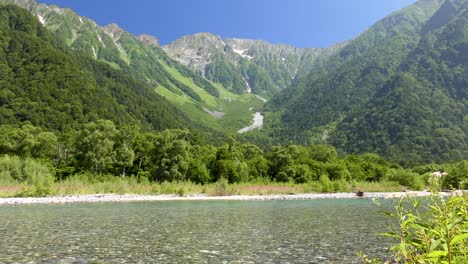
x=102, y=148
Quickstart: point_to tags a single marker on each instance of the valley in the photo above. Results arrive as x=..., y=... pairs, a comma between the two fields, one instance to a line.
x=181, y=134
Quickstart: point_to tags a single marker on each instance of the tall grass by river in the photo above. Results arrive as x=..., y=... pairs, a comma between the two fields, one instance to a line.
x=92, y=184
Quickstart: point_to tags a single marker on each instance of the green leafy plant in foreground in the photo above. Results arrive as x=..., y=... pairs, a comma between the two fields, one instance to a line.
x=432, y=231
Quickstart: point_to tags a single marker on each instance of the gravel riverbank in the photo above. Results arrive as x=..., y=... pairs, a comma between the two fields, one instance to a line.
x=92, y=198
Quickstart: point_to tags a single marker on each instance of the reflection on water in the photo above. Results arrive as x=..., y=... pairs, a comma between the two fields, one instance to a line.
x=313, y=231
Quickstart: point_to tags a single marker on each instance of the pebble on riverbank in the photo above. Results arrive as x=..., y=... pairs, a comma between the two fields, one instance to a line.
x=92, y=198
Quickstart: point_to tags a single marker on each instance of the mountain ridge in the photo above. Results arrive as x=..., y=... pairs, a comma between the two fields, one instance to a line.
x=378, y=94
x=273, y=66
x=398, y=89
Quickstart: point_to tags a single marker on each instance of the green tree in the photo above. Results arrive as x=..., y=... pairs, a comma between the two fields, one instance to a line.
x=124, y=153
x=96, y=145
x=171, y=155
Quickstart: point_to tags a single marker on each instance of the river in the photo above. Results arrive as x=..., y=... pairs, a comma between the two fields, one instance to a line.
x=257, y=123
x=309, y=231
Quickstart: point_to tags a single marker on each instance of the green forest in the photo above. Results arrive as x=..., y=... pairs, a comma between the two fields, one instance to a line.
x=399, y=90
x=100, y=151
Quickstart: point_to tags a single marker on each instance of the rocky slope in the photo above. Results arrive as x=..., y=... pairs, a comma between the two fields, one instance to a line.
x=141, y=57
x=246, y=65
x=137, y=55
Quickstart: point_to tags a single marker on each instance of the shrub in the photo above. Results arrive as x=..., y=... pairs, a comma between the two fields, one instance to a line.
x=406, y=178
x=37, y=174
x=168, y=187
x=340, y=186
x=221, y=187
x=439, y=235
x=325, y=183
x=11, y=168
x=457, y=176
x=36, y=177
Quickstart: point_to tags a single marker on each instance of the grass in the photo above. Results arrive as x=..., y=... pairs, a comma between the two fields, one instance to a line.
x=207, y=98
x=80, y=184
x=236, y=107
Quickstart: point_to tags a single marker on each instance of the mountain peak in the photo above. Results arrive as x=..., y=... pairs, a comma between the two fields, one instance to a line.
x=148, y=40
x=113, y=30
x=203, y=38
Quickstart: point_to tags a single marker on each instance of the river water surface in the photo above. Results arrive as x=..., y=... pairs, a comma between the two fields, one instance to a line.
x=309, y=231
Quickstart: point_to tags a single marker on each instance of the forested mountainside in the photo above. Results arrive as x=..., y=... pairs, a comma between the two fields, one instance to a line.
x=137, y=55
x=399, y=89
x=141, y=58
x=46, y=84
x=244, y=65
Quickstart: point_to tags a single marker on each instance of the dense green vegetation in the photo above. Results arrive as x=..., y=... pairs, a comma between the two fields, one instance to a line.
x=49, y=86
x=64, y=114
x=34, y=155
x=186, y=90
x=398, y=90
x=432, y=230
x=240, y=77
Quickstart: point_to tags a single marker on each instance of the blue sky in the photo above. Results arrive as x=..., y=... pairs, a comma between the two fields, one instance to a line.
x=301, y=23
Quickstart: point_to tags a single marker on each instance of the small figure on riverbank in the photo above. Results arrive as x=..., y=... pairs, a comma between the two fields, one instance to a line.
x=360, y=193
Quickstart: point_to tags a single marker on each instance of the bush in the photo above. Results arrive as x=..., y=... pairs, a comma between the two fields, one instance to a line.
x=11, y=168
x=406, y=178
x=340, y=186
x=37, y=174
x=168, y=187
x=437, y=236
x=221, y=187
x=36, y=177
x=457, y=176
x=34, y=191
x=325, y=183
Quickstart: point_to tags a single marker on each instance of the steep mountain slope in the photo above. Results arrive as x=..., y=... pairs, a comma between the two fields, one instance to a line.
x=398, y=89
x=283, y=63
x=44, y=83
x=141, y=57
x=243, y=65
x=422, y=113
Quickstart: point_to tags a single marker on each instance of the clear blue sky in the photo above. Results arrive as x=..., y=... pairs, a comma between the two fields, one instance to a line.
x=301, y=23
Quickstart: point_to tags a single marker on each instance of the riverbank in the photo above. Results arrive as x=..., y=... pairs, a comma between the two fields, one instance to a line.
x=95, y=198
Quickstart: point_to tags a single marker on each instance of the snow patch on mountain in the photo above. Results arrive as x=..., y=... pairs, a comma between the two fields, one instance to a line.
x=240, y=52
x=120, y=48
x=247, y=56
x=100, y=40
x=41, y=19
x=249, y=89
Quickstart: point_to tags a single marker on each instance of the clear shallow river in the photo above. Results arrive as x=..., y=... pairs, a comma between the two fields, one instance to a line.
x=310, y=231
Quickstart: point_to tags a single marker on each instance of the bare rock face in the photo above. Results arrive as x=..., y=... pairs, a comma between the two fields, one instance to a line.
x=283, y=63
x=196, y=50
x=148, y=40
x=114, y=31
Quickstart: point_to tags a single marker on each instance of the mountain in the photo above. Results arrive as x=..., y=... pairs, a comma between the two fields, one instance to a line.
x=203, y=101
x=398, y=89
x=137, y=55
x=243, y=65
x=46, y=84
